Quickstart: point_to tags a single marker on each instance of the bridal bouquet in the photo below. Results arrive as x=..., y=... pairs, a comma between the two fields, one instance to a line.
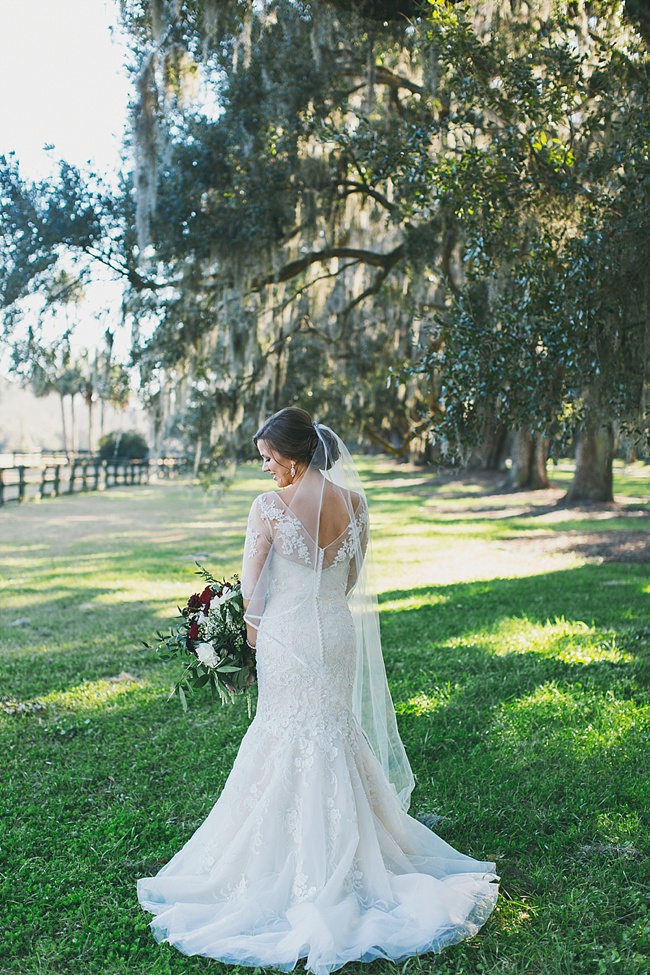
x=211, y=642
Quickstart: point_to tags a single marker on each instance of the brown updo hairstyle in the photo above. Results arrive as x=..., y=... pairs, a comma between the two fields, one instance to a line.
x=292, y=434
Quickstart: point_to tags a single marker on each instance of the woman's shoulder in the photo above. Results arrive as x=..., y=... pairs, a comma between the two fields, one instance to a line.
x=357, y=502
x=266, y=504
x=353, y=503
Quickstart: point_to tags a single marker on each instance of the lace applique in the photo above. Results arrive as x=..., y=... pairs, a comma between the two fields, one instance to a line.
x=293, y=819
x=354, y=880
x=236, y=891
x=300, y=890
x=288, y=528
x=305, y=760
x=254, y=537
x=333, y=825
x=354, y=536
x=278, y=585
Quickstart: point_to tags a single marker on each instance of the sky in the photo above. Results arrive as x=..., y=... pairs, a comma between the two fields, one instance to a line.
x=64, y=93
x=63, y=83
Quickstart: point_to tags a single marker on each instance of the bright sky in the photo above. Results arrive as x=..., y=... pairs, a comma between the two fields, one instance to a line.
x=62, y=82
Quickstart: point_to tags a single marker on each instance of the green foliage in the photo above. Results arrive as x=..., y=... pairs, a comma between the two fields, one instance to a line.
x=225, y=631
x=125, y=444
x=250, y=195
x=502, y=152
x=418, y=222
x=547, y=176
x=50, y=234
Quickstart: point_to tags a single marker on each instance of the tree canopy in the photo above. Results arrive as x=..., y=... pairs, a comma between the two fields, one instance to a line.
x=428, y=220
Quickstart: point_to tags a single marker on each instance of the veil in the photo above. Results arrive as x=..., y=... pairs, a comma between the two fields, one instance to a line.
x=288, y=547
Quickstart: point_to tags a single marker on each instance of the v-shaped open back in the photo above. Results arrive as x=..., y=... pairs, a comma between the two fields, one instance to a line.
x=327, y=522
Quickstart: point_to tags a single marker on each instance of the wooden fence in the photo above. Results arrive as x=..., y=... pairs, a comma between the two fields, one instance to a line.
x=23, y=482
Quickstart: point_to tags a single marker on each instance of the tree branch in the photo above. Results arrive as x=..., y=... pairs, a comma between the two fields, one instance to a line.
x=134, y=277
x=374, y=194
x=372, y=289
x=293, y=268
x=386, y=445
x=384, y=77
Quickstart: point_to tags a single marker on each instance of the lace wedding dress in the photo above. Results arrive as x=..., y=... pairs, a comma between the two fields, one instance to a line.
x=308, y=852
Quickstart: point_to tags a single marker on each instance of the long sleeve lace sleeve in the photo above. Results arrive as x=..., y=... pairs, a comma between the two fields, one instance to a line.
x=361, y=534
x=256, y=550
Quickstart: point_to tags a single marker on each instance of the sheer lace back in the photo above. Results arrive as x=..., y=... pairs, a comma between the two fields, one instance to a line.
x=274, y=529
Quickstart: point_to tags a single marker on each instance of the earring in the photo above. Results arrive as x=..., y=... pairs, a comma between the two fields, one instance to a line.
x=293, y=470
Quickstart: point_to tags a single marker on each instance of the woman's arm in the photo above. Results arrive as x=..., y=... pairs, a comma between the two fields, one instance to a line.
x=361, y=533
x=251, y=632
x=256, y=551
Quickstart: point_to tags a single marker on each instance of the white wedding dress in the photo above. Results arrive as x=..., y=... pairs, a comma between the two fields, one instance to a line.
x=308, y=853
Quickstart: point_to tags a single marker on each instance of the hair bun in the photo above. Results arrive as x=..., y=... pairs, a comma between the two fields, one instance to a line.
x=327, y=450
x=293, y=435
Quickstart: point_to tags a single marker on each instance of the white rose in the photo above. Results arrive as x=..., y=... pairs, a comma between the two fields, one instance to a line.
x=207, y=656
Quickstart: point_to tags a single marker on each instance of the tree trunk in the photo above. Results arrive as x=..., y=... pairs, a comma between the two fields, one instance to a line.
x=538, y=473
x=89, y=403
x=593, y=480
x=529, y=453
x=64, y=427
x=489, y=456
x=73, y=426
x=197, y=456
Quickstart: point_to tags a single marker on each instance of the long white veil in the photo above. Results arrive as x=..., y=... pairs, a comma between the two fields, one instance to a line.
x=324, y=522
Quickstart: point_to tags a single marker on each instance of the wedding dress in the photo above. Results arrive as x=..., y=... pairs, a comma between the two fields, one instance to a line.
x=309, y=852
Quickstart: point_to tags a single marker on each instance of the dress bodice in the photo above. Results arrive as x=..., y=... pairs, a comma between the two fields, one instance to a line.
x=284, y=564
x=290, y=583
x=306, y=647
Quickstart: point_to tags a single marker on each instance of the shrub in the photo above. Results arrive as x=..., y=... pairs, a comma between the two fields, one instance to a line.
x=127, y=444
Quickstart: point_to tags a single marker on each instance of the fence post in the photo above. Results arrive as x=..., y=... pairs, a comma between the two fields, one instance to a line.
x=113, y=474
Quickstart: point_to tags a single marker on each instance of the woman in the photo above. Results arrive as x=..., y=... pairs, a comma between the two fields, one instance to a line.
x=309, y=852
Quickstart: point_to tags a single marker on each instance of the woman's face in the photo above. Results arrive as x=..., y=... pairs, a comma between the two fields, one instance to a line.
x=274, y=464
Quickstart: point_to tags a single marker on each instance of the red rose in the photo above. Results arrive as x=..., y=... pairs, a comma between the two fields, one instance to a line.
x=194, y=602
x=194, y=631
x=206, y=598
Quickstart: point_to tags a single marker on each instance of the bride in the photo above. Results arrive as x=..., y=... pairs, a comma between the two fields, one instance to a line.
x=309, y=852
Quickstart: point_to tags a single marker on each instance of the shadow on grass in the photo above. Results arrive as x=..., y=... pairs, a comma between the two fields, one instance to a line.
x=524, y=706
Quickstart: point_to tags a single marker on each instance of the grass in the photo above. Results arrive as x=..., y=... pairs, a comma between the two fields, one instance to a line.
x=521, y=680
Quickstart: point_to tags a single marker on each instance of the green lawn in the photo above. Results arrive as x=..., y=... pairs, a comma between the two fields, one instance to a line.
x=520, y=672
